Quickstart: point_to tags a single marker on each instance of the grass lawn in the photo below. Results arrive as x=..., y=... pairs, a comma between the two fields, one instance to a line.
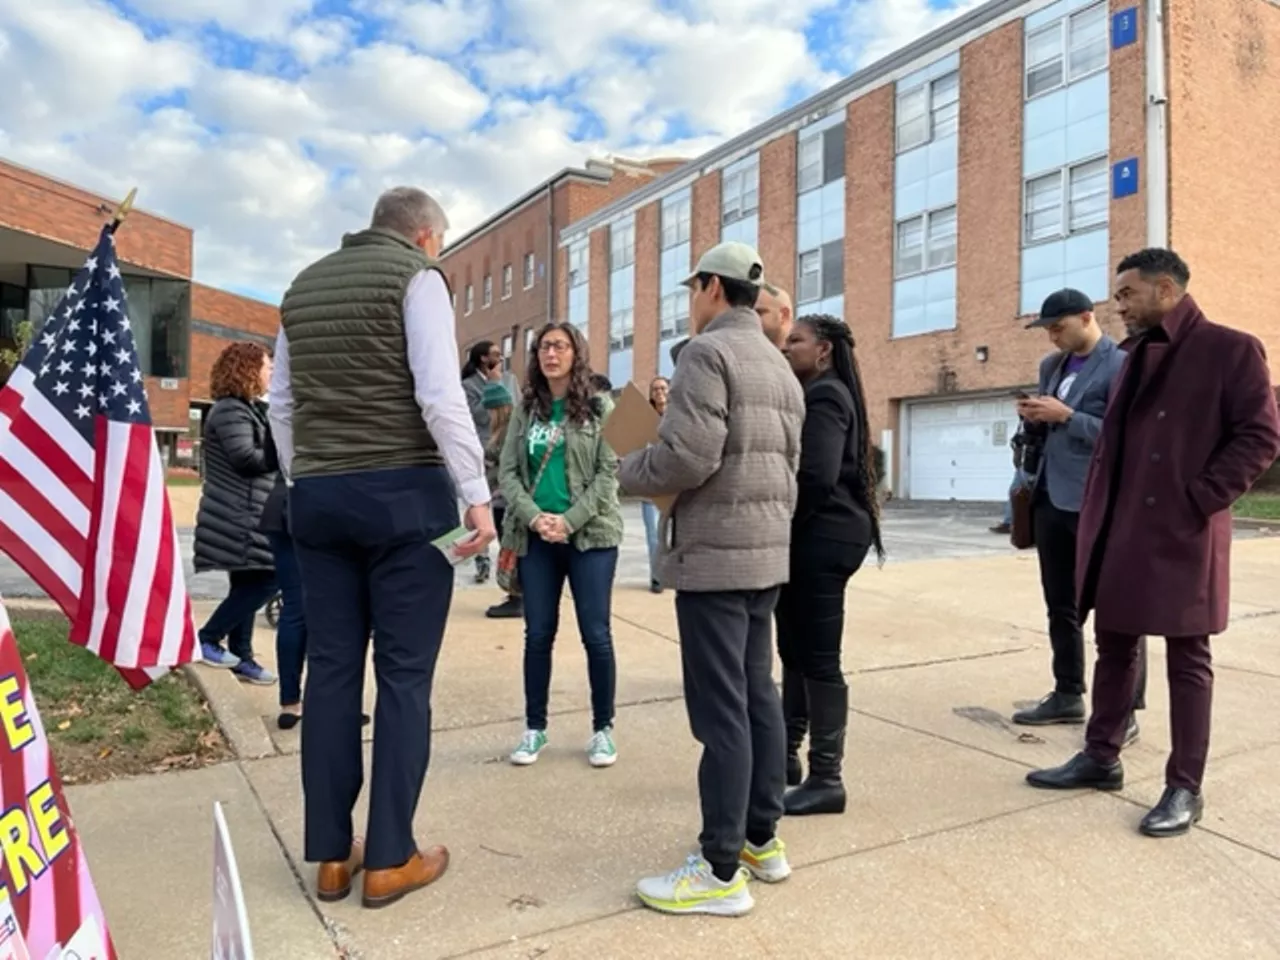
x=97, y=726
x=181, y=480
x=1258, y=506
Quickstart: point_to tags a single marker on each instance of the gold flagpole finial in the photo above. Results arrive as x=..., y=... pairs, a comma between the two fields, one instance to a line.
x=123, y=209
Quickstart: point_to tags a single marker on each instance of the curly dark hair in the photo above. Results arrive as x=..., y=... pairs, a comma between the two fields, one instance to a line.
x=238, y=371
x=537, y=398
x=836, y=333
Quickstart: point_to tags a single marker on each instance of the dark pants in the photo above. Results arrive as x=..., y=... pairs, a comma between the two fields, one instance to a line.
x=233, y=618
x=364, y=550
x=543, y=571
x=1055, y=532
x=1190, y=702
x=810, y=610
x=291, y=630
x=734, y=712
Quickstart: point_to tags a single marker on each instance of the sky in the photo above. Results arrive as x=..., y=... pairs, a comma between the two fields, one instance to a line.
x=270, y=126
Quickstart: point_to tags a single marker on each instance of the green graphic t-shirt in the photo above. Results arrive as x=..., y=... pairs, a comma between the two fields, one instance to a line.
x=552, y=494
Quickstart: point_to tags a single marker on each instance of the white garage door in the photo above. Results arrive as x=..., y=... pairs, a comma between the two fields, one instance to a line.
x=959, y=449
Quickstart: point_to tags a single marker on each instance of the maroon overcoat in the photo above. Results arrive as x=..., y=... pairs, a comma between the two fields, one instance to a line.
x=1201, y=428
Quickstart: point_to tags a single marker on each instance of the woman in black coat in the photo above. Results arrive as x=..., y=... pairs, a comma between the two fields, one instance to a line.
x=239, y=472
x=837, y=520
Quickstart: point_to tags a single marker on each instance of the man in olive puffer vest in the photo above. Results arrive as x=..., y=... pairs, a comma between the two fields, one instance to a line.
x=367, y=413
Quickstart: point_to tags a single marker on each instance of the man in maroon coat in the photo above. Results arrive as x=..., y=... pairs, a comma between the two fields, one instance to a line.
x=1191, y=425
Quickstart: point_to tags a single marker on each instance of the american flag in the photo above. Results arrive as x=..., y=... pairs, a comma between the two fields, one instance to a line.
x=83, y=504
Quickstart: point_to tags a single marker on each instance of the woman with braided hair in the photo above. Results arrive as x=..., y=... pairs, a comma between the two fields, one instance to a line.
x=837, y=520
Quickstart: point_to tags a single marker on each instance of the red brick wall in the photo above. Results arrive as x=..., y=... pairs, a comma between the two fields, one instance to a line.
x=705, y=228
x=777, y=233
x=1128, y=231
x=168, y=407
x=1224, y=91
x=56, y=211
x=644, y=365
x=598, y=300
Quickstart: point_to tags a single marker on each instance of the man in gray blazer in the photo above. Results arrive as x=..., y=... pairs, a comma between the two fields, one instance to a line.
x=1065, y=421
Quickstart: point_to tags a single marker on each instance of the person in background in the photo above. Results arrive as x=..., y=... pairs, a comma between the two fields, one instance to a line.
x=837, y=520
x=659, y=390
x=775, y=311
x=728, y=447
x=559, y=479
x=483, y=366
x=498, y=401
x=368, y=412
x=1064, y=421
x=1192, y=425
x=239, y=471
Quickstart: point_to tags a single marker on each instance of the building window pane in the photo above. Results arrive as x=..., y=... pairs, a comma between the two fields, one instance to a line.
x=622, y=245
x=13, y=310
x=1044, y=59
x=913, y=118
x=731, y=198
x=832, y=154
x=810, y=277
x=621, y=329
x=488, y=290
x=910, y=247
x=833, y=269
x=1043, y=208
x=809, y=164
x=946, y=105
x=942, y=238
x=1087, y=41
x=169, y=323
x=577, y=263
x=528, y=271
x=471, y=298
x=506, y=281
x=1090, y=202
x=46, y=286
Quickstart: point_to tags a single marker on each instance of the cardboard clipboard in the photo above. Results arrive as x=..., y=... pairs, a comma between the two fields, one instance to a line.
x=631, y=426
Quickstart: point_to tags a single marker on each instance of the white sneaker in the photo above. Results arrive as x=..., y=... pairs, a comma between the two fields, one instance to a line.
x=601, y=751
x=530, y=746
x=694, y=888
x=767, y=863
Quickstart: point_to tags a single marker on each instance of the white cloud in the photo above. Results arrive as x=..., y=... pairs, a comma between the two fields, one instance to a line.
x=271, y=161
x=876, y=28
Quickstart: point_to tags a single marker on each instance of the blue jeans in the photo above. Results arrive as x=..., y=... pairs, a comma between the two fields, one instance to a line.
x=543, y=571
x=233, y=618
x=652, y=519
x=291, y=631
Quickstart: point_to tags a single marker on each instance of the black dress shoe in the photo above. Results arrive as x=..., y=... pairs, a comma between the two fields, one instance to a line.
x=1132, y=731
x=511, y=608
x=1174, y=815
x=1081, y=772
x=1055, y=708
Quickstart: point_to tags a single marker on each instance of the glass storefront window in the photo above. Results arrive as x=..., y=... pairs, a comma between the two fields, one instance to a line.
x=13, y=310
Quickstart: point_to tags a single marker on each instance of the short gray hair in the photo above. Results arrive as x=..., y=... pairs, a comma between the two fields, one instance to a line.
x=407, y=210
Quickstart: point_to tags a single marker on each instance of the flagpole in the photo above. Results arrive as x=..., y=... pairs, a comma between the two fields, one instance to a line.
x=122, y=210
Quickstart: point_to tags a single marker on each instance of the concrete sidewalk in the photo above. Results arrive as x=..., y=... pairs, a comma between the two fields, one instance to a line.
x=944, y=852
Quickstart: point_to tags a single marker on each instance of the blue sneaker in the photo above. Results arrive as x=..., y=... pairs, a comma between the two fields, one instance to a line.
x=251, y=672
x=215, y=656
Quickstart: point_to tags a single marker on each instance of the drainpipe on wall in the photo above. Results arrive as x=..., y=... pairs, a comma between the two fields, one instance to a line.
x=1157, y=128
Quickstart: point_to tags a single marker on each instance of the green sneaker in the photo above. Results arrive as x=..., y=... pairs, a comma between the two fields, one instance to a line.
x=767, y=863
x=530, y=746
x=601, y=751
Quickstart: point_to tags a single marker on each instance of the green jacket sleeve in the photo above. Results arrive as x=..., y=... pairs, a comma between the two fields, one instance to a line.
x=600, y=492
x=520, y=503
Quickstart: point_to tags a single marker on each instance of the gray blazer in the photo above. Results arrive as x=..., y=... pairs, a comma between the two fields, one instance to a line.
x=1069, y=446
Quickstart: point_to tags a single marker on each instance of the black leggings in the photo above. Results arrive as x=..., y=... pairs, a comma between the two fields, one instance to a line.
x=810, y=611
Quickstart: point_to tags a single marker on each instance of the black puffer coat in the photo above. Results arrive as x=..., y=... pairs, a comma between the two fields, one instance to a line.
x=239, y=472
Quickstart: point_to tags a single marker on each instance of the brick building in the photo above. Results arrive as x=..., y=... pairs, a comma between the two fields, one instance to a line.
x=505, y=283
x=934, y=198
x=46, y=230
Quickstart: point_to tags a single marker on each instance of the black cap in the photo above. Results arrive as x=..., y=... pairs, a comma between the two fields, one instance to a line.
x=1063, y=303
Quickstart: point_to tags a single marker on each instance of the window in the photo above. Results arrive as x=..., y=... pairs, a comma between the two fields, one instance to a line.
x=675, y=314
x=528, y=271
x=821, y=272
x=622, y=329
x=1066, y=50
x=677, y=220
x=1065, y=202
x=471, y=298
x=13, y=310
x=529, y=334
x=577, y=263
x=820, y=159
x=622, y=244
x=488, y=289
x=506, y=281
x=508, y=347
x=930, y=111
x=926, y=242
x=740, y=193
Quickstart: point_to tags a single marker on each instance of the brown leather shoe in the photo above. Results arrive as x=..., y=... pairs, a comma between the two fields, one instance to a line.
x=384, y=887
x=333, y=879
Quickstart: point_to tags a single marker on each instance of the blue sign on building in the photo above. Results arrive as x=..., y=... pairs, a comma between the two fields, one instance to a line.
x=1124, y=28
x=1124, y=178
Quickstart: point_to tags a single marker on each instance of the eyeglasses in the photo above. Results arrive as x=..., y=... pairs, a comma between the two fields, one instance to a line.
x=555, y=346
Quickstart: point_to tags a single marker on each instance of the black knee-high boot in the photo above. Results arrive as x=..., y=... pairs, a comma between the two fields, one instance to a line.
x=796, y=710
x=823, y=790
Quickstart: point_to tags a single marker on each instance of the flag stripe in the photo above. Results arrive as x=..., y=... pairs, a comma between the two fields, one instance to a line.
x=32, y=501
x=161, y=602
x=46, y=559
x=128, y=455
x=68, y=453
x=34, y=468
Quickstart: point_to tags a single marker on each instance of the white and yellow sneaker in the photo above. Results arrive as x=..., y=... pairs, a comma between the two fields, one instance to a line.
x=767, y=863
x=694, y=888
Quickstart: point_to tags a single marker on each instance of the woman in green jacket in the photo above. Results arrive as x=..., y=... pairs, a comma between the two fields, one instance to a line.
x=559, y=479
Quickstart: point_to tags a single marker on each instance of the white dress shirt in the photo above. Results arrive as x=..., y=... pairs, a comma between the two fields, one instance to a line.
x=431, y=346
